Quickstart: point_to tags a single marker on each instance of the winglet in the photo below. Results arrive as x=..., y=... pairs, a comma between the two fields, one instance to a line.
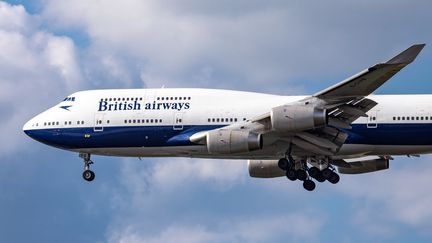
x=407, y=56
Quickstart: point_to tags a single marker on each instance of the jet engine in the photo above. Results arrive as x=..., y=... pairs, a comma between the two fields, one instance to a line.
x=296, y=118
x=225, y=141
x=264, y=169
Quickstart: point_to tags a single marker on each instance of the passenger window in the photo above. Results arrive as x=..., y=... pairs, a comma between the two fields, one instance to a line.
x=160, y=120
x=217, y=119
x=125, y=121
x=151, y=120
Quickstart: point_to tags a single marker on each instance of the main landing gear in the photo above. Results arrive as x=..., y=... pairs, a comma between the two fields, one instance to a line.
x=88, y=175
x=298, y=170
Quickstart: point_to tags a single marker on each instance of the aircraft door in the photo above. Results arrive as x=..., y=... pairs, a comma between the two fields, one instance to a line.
x=98, y=122
x=372, y=120
x=178, y=121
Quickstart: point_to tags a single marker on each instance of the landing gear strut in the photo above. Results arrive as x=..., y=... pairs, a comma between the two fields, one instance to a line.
x=298, y=170
x=88, y=175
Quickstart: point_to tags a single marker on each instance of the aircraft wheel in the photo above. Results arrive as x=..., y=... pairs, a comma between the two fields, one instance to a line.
x=334, y=178
x=309, y=185
x=283, y=164
x=88, y=175
x=301, y=175
x=291, y=174
x=326, y=173
x=314, y=171
x=320, y=177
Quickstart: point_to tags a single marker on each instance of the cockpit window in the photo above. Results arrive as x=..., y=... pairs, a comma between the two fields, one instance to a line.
x=69, y=99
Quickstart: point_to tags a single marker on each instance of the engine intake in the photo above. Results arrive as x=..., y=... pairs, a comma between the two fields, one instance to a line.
x=233, y=141
x=296, y=118
x=264, y=169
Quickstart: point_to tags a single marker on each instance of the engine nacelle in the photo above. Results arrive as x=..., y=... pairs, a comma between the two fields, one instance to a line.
x=264, y=169
x=296, y=118
x=226, y=141
x=366, y=166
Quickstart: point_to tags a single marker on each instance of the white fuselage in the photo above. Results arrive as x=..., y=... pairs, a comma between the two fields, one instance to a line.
x=159, y=122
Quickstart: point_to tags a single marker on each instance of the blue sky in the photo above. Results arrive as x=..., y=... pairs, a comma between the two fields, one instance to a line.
x=50, y=49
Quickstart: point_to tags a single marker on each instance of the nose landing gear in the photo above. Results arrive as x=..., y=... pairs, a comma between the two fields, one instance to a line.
x=88, y=175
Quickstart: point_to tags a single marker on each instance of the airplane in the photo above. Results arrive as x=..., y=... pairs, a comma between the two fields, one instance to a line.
x=343, y=129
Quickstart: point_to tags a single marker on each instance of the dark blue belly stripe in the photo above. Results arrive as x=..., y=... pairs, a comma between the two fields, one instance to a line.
x=158, y=136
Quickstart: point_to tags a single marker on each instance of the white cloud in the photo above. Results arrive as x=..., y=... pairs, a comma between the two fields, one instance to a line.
x=177, y=43
x=164, y=176
x=397, y=195
x=36, y=69
x=60, y=53
x=293, y=227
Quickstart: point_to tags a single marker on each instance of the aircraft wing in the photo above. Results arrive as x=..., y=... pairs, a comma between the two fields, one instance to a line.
x=367, y=81
x=343, y=103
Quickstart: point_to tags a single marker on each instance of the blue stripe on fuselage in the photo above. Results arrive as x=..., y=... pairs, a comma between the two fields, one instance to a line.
x=158, y=136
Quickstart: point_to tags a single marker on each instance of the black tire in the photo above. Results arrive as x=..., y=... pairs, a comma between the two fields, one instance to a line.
x=334, y=178
x=291, y=175
x=314, y=171
x=309, y=185
x=301, y=175
x=283, y=164
x=326, y=173
x=88, y=175
x=320, y=177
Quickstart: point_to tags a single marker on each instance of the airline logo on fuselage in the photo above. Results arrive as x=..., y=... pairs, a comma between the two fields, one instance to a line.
x=136, y=105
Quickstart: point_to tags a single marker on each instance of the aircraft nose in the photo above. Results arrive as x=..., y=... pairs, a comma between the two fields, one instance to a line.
x=29, y=127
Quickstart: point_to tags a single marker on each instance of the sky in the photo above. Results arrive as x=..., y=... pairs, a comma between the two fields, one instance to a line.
x=49, y=49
